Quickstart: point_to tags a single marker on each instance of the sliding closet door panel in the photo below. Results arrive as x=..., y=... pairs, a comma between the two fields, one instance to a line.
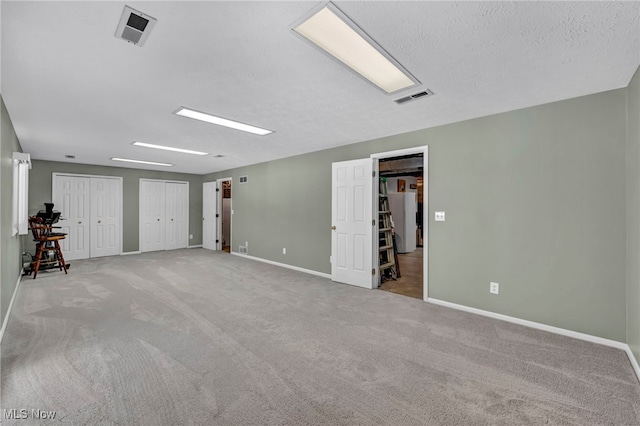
x=171, y=209
x=177, y=211
x=152, y=215
x=71, y=196
x=182, y=215
x=105, y=216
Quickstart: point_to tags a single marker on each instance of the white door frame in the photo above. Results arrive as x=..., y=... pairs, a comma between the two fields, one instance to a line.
x=425, y=206
x=219, y=213
x=121, y=217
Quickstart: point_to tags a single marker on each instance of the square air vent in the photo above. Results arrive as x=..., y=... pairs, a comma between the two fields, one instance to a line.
x=134, y=26
x=244, y=179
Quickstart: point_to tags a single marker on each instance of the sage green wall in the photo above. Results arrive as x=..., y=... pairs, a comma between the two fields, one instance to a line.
x=40, y=192
x=633, y=215
x=10, y=247
x=535, y=200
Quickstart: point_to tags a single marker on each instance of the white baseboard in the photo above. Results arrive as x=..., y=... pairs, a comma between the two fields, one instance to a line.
x=196, y=246
x=6, y=317
x=284, y=265
x=634, y=362
x=127, y=253
x=544, y=327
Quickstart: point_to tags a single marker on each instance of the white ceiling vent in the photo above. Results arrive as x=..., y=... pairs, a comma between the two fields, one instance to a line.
x=413, y=97
x=134, y=26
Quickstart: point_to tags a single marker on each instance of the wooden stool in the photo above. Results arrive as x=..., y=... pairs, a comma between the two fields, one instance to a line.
x=46, y=239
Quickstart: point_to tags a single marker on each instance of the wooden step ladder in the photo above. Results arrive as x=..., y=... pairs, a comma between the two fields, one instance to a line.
x=387, y=256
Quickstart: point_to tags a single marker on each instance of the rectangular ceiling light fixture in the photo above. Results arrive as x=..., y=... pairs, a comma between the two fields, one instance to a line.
x=169, y=148
x=197, y=115
x=152, y=163
x=335, y=34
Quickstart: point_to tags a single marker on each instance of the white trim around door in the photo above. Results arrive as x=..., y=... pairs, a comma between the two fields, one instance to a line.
x=220, y=211
x=425, y=209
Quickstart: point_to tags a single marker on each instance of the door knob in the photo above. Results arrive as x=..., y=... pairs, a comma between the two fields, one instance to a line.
x=158, y=220
x=79, y=222
x=171, y=220
x=99, y=221
x=333, y=228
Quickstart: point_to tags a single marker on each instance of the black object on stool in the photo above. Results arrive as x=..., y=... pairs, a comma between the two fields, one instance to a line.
x=42, y=229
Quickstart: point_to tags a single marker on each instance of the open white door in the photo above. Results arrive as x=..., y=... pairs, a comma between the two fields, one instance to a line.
x=209, y=197
x=352, y=223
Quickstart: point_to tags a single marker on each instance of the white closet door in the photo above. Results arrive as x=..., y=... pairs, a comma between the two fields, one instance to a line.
x=71, y=197
x=182, y=215
x=152, y=215
x=171, y=201
x=177, y=211
x=105, y=217
x=209, y=215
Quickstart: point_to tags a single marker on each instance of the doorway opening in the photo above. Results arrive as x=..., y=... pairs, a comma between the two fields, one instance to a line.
x=402, y=189
x=357, y=213
x=402, y=202
x=224, y=214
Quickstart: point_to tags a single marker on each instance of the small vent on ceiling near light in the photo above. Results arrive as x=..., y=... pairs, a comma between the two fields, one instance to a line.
x=134, y=26
x=244, y=179
x=70, y=157
x=218, y=156
x=413, y=97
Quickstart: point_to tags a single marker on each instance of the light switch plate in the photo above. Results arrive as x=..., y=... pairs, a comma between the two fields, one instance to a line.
x=439, y=216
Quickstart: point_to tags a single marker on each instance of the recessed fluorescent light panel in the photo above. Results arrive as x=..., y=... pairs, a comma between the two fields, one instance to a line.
x=152, y=163
x=197, y=115
x=335, y=34
x=169, y=148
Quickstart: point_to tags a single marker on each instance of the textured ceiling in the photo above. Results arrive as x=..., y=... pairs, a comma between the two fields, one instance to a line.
x=72, y=88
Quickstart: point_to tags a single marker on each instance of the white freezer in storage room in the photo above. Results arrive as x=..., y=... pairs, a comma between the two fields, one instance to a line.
x=403, y=207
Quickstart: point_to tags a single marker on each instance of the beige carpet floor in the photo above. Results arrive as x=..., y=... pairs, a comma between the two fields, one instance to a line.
x=197, y=337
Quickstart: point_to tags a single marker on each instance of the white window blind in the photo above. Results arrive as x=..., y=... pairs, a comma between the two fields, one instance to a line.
x=21, y=166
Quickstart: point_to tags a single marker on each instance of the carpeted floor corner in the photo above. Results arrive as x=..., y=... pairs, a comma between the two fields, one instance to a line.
x=206, y=338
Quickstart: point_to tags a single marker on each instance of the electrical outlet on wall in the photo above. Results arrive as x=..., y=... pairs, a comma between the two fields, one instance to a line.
x=191, y=236
x=284, y=250
x=494, y=288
